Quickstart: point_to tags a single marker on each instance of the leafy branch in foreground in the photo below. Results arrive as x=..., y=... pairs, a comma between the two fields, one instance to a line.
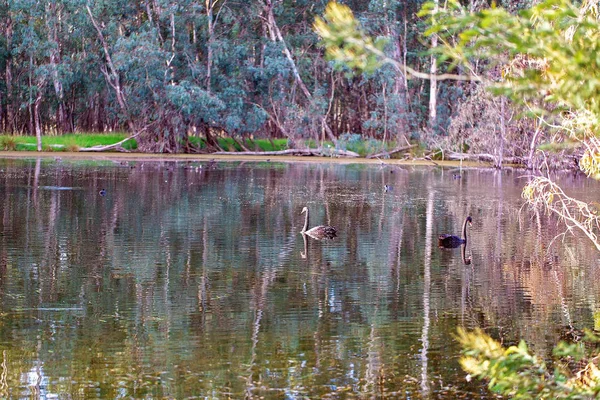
x=516, y=372
x=347, y=44
x=547, y=56
x=543, y=193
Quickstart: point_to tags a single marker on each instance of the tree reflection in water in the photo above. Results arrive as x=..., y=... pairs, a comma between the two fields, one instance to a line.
x=186, y=281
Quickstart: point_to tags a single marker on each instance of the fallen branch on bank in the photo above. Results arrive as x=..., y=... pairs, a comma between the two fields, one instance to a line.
x=482, y=157
x=117, y=146
x=319, y=152
x=396, y=150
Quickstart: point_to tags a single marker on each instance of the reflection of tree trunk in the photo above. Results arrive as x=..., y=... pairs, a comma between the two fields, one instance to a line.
x=563, y=302
x=48, y=268
x=394, y=255
x=426, y=296
x=203, y=283
x=167, y=280
x=268, y=275
x=36, y=180
x=374, y=363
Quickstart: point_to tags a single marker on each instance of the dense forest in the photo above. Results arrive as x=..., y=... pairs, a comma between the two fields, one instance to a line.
x=168, y=71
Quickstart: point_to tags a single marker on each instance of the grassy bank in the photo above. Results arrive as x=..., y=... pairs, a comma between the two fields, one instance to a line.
x=73, y=142
x=69, y=142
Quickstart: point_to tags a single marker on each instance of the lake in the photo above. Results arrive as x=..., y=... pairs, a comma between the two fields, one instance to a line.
x=146, y=279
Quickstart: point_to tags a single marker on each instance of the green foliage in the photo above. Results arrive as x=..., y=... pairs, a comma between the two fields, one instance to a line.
x=252, y=144
x=590, y=163
x=8, y=143
x=364, y=147
x=345, y=42
x=268, y=145
x=546, y=58
x=160, y=50
x=70, y=142
x=547, y=54
x=517, y=373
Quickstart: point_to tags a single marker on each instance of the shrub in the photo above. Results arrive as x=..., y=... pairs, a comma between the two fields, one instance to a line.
x=519, y=374
x=8, y=143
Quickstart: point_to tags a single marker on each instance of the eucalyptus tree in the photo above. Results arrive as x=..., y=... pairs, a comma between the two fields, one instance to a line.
x=165, y=70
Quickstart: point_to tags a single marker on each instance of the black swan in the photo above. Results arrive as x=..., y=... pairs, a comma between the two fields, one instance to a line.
x=451, y=241
x=318, y=232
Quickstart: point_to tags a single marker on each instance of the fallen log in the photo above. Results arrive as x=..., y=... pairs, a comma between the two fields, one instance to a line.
x=388, y=153
x=482, y=157
x=116, y=146
x=319, y=152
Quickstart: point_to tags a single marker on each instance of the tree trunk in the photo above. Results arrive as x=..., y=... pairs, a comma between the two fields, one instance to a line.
x=2, y=120
x=31, y=124
x=36, y=116
x=502, y=133
x=209, y=45
x=52, y=18
x=8, y=34
x=112, y=75
x=433, y=83
x=400, y=86
x=274, y=29
x=210, y=139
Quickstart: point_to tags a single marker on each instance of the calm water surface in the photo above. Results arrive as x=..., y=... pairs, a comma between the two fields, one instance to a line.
x=192, y=280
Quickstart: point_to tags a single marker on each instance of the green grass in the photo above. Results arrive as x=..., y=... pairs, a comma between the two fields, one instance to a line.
x=72, y=142
x=228, y=144
x=75, y=141
x=69, y=142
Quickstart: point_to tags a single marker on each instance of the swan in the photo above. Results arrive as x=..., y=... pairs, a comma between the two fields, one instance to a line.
x=451, y=241
x=318, y=232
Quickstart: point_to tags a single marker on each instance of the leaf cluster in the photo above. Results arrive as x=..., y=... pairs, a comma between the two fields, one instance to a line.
x=345, y=42
x=548, y=54
x=516, y=372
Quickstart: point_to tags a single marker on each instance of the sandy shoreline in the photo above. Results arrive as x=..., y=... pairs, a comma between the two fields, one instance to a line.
x=240, y=157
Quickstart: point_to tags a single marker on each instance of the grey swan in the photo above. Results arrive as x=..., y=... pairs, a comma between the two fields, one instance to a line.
x=318, y=232
x=451, y=241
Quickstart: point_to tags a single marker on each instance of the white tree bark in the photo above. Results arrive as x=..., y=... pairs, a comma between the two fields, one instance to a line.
x=433, y=83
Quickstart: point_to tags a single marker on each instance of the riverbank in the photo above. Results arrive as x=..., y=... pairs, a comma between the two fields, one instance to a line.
x=238, y=157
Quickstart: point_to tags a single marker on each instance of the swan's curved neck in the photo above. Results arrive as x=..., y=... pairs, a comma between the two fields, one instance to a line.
x=465, y=230
x=305, y=222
